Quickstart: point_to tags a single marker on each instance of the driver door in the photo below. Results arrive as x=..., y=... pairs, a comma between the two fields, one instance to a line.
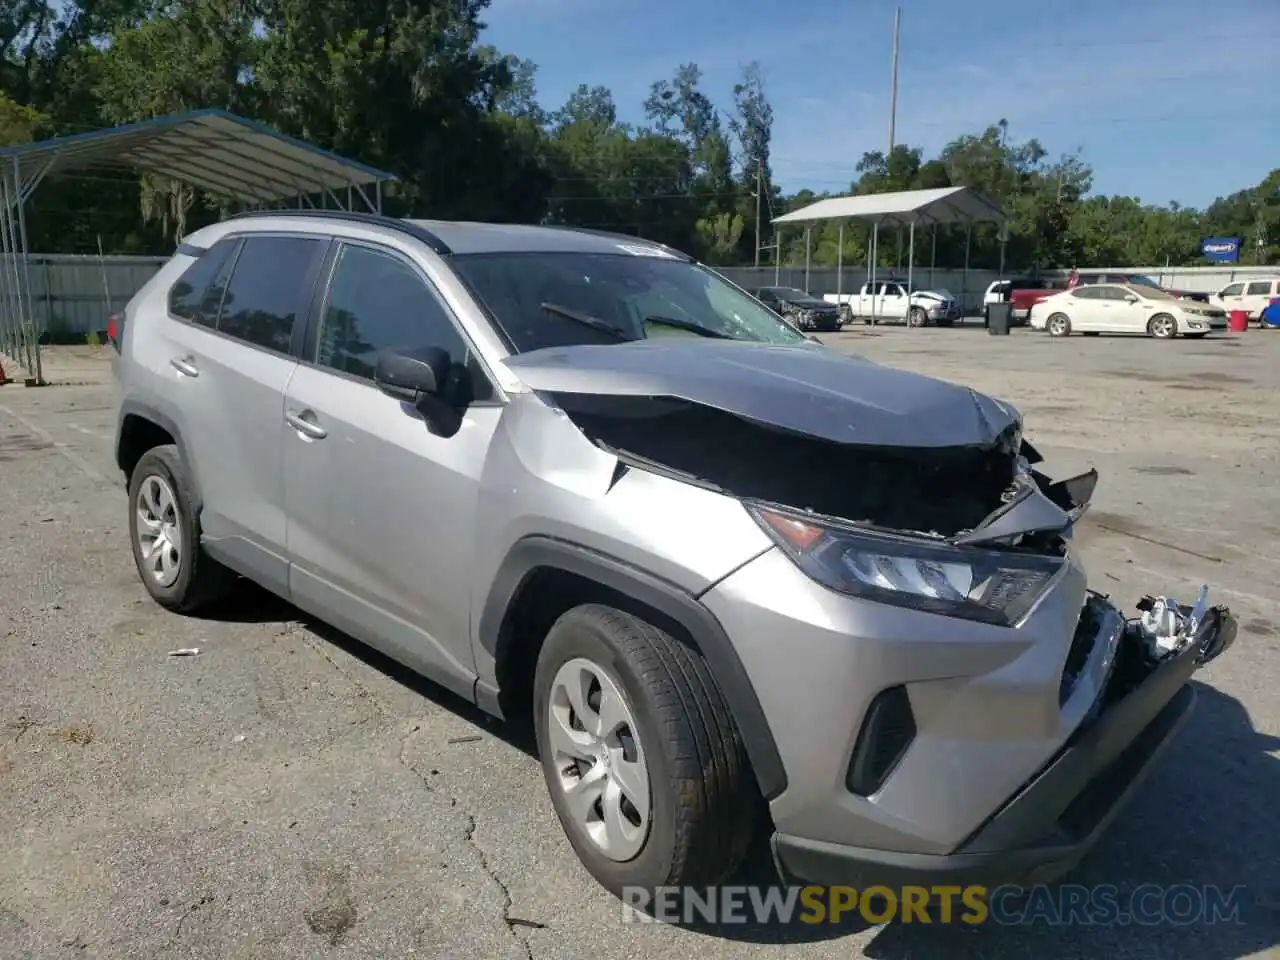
x=381, y=508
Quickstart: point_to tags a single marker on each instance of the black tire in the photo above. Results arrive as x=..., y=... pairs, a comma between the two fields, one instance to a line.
x=1058, y=325
x=704, y=799
x=916, y=317
x=200, y=579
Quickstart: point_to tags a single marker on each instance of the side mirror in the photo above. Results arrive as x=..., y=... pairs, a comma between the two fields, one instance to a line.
x=412, y=373
x=1131, y=299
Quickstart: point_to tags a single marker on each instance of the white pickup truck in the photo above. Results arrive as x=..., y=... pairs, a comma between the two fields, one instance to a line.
x=892, y=300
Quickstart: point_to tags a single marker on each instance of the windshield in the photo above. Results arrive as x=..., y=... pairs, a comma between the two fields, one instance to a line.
x=539, y=299
x=791, y=293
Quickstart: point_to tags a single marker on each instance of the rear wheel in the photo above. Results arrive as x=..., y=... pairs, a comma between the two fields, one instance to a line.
x=1059, y=325
x=1162, y=326
x=164, y=530
x=645, y=768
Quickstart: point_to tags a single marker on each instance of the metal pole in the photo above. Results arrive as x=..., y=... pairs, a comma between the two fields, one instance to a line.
x=911, y=255
x=893, y=90
x=12, y=282
x=777, y=257
x=933, y=254
x=964, y=284
x=8, y=315
x=875, y=256
x=808, y=232
x=839, y=261
x=26, y=281
x=759, y=178
x=377, y=186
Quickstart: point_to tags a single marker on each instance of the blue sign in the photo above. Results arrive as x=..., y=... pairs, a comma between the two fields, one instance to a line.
x=1221, y=249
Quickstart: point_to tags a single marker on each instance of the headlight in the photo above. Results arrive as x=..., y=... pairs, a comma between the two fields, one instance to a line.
x=989, y=586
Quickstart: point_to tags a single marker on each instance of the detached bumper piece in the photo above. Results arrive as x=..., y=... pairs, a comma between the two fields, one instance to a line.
x=1044, y=830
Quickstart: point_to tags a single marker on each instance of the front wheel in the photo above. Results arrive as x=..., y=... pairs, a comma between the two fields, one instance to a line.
x=645, y=768
x=916, y=317
x=1059, y=325
x=1162, y=327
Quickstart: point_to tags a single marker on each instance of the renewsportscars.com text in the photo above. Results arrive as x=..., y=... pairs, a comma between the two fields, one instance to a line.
x=1068, y=904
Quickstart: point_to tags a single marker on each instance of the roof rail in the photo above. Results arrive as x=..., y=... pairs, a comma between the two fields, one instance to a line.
x=372, y=219
x=613, y=235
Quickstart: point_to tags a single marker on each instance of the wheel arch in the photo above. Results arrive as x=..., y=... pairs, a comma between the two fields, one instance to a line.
x=542, y=577
x=142, y=427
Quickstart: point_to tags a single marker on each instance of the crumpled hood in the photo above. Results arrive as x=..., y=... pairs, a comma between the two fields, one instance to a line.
x=941, y=296
x=807, y=389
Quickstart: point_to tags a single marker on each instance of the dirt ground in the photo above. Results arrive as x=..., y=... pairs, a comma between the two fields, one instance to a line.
x=288, y=793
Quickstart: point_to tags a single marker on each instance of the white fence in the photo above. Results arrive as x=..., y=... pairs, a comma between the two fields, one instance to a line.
x=74, y=295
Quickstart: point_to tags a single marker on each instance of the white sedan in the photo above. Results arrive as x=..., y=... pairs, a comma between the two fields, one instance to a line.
x=1124, y=308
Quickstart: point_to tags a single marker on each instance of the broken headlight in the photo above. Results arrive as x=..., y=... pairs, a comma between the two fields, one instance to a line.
x=989, y=586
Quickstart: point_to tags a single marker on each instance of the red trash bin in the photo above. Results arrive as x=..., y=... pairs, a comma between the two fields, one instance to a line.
x=1238, y=321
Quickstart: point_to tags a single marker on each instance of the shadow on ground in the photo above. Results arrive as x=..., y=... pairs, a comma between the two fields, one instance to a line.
x=1201, y=827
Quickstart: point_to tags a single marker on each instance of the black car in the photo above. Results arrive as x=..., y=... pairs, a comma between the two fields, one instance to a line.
x=804, y=310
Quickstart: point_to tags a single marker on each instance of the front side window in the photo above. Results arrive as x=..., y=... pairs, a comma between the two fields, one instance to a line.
x=1233, y=290
x=552, y=299
x=378, y=302
x=268, y=290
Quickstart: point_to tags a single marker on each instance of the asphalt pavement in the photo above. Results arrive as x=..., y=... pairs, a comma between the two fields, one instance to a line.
x=288, y=793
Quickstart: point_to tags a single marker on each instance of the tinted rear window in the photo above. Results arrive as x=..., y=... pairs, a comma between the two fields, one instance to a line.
x=268, y=291
x=187, y=294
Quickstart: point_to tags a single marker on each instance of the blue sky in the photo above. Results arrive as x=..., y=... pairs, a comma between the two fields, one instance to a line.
x=1169, y=100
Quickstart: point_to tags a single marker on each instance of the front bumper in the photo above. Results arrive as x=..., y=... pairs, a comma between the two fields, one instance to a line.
x=1026, y=742
x=1046, y=827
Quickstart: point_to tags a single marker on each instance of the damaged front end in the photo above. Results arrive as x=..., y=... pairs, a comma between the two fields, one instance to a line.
x=879, y=483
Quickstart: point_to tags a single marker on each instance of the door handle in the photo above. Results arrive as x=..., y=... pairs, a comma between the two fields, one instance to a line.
x=185, y=366
x=308, y=428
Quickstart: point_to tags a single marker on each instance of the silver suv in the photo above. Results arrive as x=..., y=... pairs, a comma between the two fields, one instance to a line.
x=732, y=575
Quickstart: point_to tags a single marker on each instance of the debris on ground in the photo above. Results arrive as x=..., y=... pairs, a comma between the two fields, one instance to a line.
x=185, y=652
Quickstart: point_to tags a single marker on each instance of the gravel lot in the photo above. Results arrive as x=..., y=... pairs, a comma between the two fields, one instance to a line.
x=288, y=793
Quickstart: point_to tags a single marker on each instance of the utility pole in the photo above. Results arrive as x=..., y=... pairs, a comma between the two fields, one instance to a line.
x=759, y=190
x=893, y=89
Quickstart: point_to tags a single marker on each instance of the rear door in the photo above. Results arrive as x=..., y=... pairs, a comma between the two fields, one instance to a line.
x=229, y=375
x=1085, y=310
x=381, y=504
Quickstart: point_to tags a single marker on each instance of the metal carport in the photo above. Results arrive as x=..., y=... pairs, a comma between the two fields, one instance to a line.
x=904, y=208
x=216, y=152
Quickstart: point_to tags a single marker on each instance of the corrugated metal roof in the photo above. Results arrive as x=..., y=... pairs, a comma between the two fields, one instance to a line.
x=922, y=207
x=212, y=150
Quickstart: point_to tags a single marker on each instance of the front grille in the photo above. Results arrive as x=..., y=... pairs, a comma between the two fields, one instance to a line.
x=887, y=732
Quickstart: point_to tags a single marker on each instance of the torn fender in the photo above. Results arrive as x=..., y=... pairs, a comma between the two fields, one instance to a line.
x=807, y=389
